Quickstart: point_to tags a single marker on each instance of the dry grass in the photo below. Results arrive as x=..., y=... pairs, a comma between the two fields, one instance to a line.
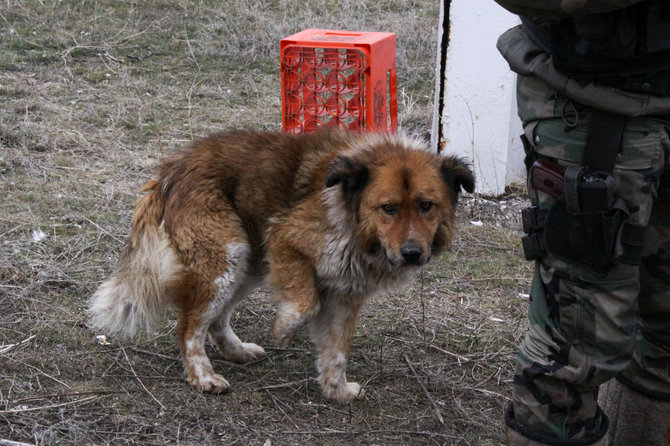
x=94, y=93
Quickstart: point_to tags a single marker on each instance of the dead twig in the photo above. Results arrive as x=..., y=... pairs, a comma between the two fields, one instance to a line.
x=61, y=395
x=370, y=432
x=487, y=392
x=161, y=377
x=284, y=349
x=158, y=355
x=52, y=406
x=13, y=443
x=457, y=356
x=103, y=230
x=47, y=375
x=132, y=369
x=194, y=84
x=6, y=348
x=428, y=395
x=15, y=228
x=279, y=386
x=276, y=403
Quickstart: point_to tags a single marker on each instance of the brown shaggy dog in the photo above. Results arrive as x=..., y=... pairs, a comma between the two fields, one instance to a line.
x=331, y=217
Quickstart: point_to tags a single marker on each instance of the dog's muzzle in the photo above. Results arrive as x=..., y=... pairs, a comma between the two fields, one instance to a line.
x=411, y=254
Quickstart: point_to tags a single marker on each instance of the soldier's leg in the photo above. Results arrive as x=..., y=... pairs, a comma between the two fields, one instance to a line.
x=580, y=334
x=582, y=326
x=643, y=388
x=649, y=371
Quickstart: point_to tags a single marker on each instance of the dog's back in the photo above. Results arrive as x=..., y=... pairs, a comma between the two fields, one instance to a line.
x=259, y=174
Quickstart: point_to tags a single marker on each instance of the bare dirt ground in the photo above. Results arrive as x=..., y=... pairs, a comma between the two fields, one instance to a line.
x=92, y=95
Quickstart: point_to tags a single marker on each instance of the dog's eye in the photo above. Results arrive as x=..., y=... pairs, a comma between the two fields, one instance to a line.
x=425, y=206
x=388, y=209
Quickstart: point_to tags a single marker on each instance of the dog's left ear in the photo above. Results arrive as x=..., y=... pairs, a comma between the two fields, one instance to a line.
x=457, y=174
x=352, y=174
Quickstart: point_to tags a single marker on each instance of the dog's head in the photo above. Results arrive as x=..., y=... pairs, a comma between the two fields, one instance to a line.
x=402, y=198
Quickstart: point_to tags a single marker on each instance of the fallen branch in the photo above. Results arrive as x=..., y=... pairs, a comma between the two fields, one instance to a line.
x=6, y=348
x=140, y=381
x=158, y=355
x=487, y=392
x=103, y=230
x=275, y=401
x=370, y=432
x=279, y=386
x=284, y=349
x=428, y=395
x=446, y=352
x=13, y=443
x=47, y=375
x=61, y=395
x=52, y=406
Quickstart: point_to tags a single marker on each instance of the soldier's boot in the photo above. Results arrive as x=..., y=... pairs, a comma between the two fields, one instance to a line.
x=517, y=435
x=635, y=420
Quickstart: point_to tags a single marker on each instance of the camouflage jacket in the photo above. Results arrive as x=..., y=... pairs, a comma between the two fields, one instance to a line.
x=533, y=63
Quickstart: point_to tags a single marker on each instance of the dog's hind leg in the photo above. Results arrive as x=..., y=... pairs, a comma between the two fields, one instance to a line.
x=222, y=333
x=208, y=309
x=214, y=248
x=332, y=331
x=198, y=310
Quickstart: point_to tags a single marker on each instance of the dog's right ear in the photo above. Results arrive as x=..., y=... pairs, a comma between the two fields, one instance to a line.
x=351, y=174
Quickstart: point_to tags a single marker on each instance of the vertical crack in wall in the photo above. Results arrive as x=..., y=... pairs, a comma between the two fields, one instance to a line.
x=443, y=46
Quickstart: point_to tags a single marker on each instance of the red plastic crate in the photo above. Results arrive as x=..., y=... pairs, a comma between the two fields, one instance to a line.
x=338, y=78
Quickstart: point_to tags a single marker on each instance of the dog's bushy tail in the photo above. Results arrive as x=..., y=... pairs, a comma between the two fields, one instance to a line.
x=135, y=295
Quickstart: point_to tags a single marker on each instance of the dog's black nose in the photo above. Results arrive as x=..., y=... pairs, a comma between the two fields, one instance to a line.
x=411, y=253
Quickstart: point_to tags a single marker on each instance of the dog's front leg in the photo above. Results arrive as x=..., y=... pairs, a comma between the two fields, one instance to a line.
x=332, y=331
x=293, y=277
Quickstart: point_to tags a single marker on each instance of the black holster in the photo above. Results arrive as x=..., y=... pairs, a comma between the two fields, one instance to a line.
x=587, y=225
x=589, y=236
x=591, y=240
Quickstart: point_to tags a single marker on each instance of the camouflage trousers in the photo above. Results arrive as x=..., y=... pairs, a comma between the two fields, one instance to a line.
x=586, y=328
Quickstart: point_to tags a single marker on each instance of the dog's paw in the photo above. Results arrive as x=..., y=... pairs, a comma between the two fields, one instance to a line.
x=211, y=383
x=353, y=391
x=244, y=352
x=345, y=393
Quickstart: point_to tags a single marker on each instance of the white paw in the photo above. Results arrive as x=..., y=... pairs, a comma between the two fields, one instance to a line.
x=244, y=352
x=213, y=383
x=353, y=391
x=345, y=393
